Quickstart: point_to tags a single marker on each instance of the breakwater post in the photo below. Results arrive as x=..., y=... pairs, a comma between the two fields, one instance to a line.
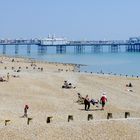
x=70, y=117
x=109, y=115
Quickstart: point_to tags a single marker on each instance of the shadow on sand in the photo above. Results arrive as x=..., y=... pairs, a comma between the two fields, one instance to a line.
x=97, y=109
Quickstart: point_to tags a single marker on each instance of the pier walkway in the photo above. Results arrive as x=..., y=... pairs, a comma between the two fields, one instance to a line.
x=131, y=45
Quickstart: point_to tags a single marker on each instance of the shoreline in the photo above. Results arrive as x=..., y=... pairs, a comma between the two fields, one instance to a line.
x=42, y=61
x=77, y=67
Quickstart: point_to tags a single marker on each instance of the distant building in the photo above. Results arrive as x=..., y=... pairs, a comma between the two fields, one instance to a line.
x=53, y=41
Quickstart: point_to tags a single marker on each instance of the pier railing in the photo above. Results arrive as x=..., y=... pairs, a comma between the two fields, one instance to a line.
x=19, y=42
x=42, y=42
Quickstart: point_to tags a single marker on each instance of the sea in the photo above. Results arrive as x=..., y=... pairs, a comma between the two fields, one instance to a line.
x=105, y=61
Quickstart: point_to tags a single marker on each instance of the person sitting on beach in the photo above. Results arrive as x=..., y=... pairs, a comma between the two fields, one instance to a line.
x=87, y=102
x=67, y=85
x=129, y=85
x=2, y=80
x=95, y=102
x=103, y=100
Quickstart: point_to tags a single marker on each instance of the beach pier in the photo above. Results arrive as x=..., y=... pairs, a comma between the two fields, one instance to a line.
x=130, y=45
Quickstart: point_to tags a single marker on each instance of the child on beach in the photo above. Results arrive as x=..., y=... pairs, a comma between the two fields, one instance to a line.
x=25, y=111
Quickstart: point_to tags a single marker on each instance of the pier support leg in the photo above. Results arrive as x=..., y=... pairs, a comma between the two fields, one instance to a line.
x=96, y=49
x=79, y=49
x=114, y=48
x=16, y=49
x=60, y=49
x=133, y=48
x=42, y=50
x=28, y=49
x=4, y=49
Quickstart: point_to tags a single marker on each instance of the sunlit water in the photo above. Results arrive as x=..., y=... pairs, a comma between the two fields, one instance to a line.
x=119, y=63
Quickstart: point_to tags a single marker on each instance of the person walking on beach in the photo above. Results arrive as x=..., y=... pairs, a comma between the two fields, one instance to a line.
x=25, y=111
x=103, y=100
x=87, y=103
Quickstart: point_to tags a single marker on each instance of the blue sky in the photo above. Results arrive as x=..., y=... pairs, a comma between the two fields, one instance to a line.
x=74, y=19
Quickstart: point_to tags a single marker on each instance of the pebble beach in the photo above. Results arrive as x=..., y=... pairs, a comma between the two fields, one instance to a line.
x=39, y=84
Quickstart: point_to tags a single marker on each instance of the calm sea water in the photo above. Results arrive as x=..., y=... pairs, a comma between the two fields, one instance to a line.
x=119, y=63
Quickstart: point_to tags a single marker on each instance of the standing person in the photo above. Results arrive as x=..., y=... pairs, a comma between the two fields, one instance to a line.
x=8, y=76
x=87, y=103
x=103, y=100
x=25, y=111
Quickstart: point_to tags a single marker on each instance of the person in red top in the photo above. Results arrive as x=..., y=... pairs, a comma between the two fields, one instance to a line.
x=103, y=100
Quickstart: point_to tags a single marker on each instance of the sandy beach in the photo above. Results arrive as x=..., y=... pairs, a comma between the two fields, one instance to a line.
x=39, y=85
